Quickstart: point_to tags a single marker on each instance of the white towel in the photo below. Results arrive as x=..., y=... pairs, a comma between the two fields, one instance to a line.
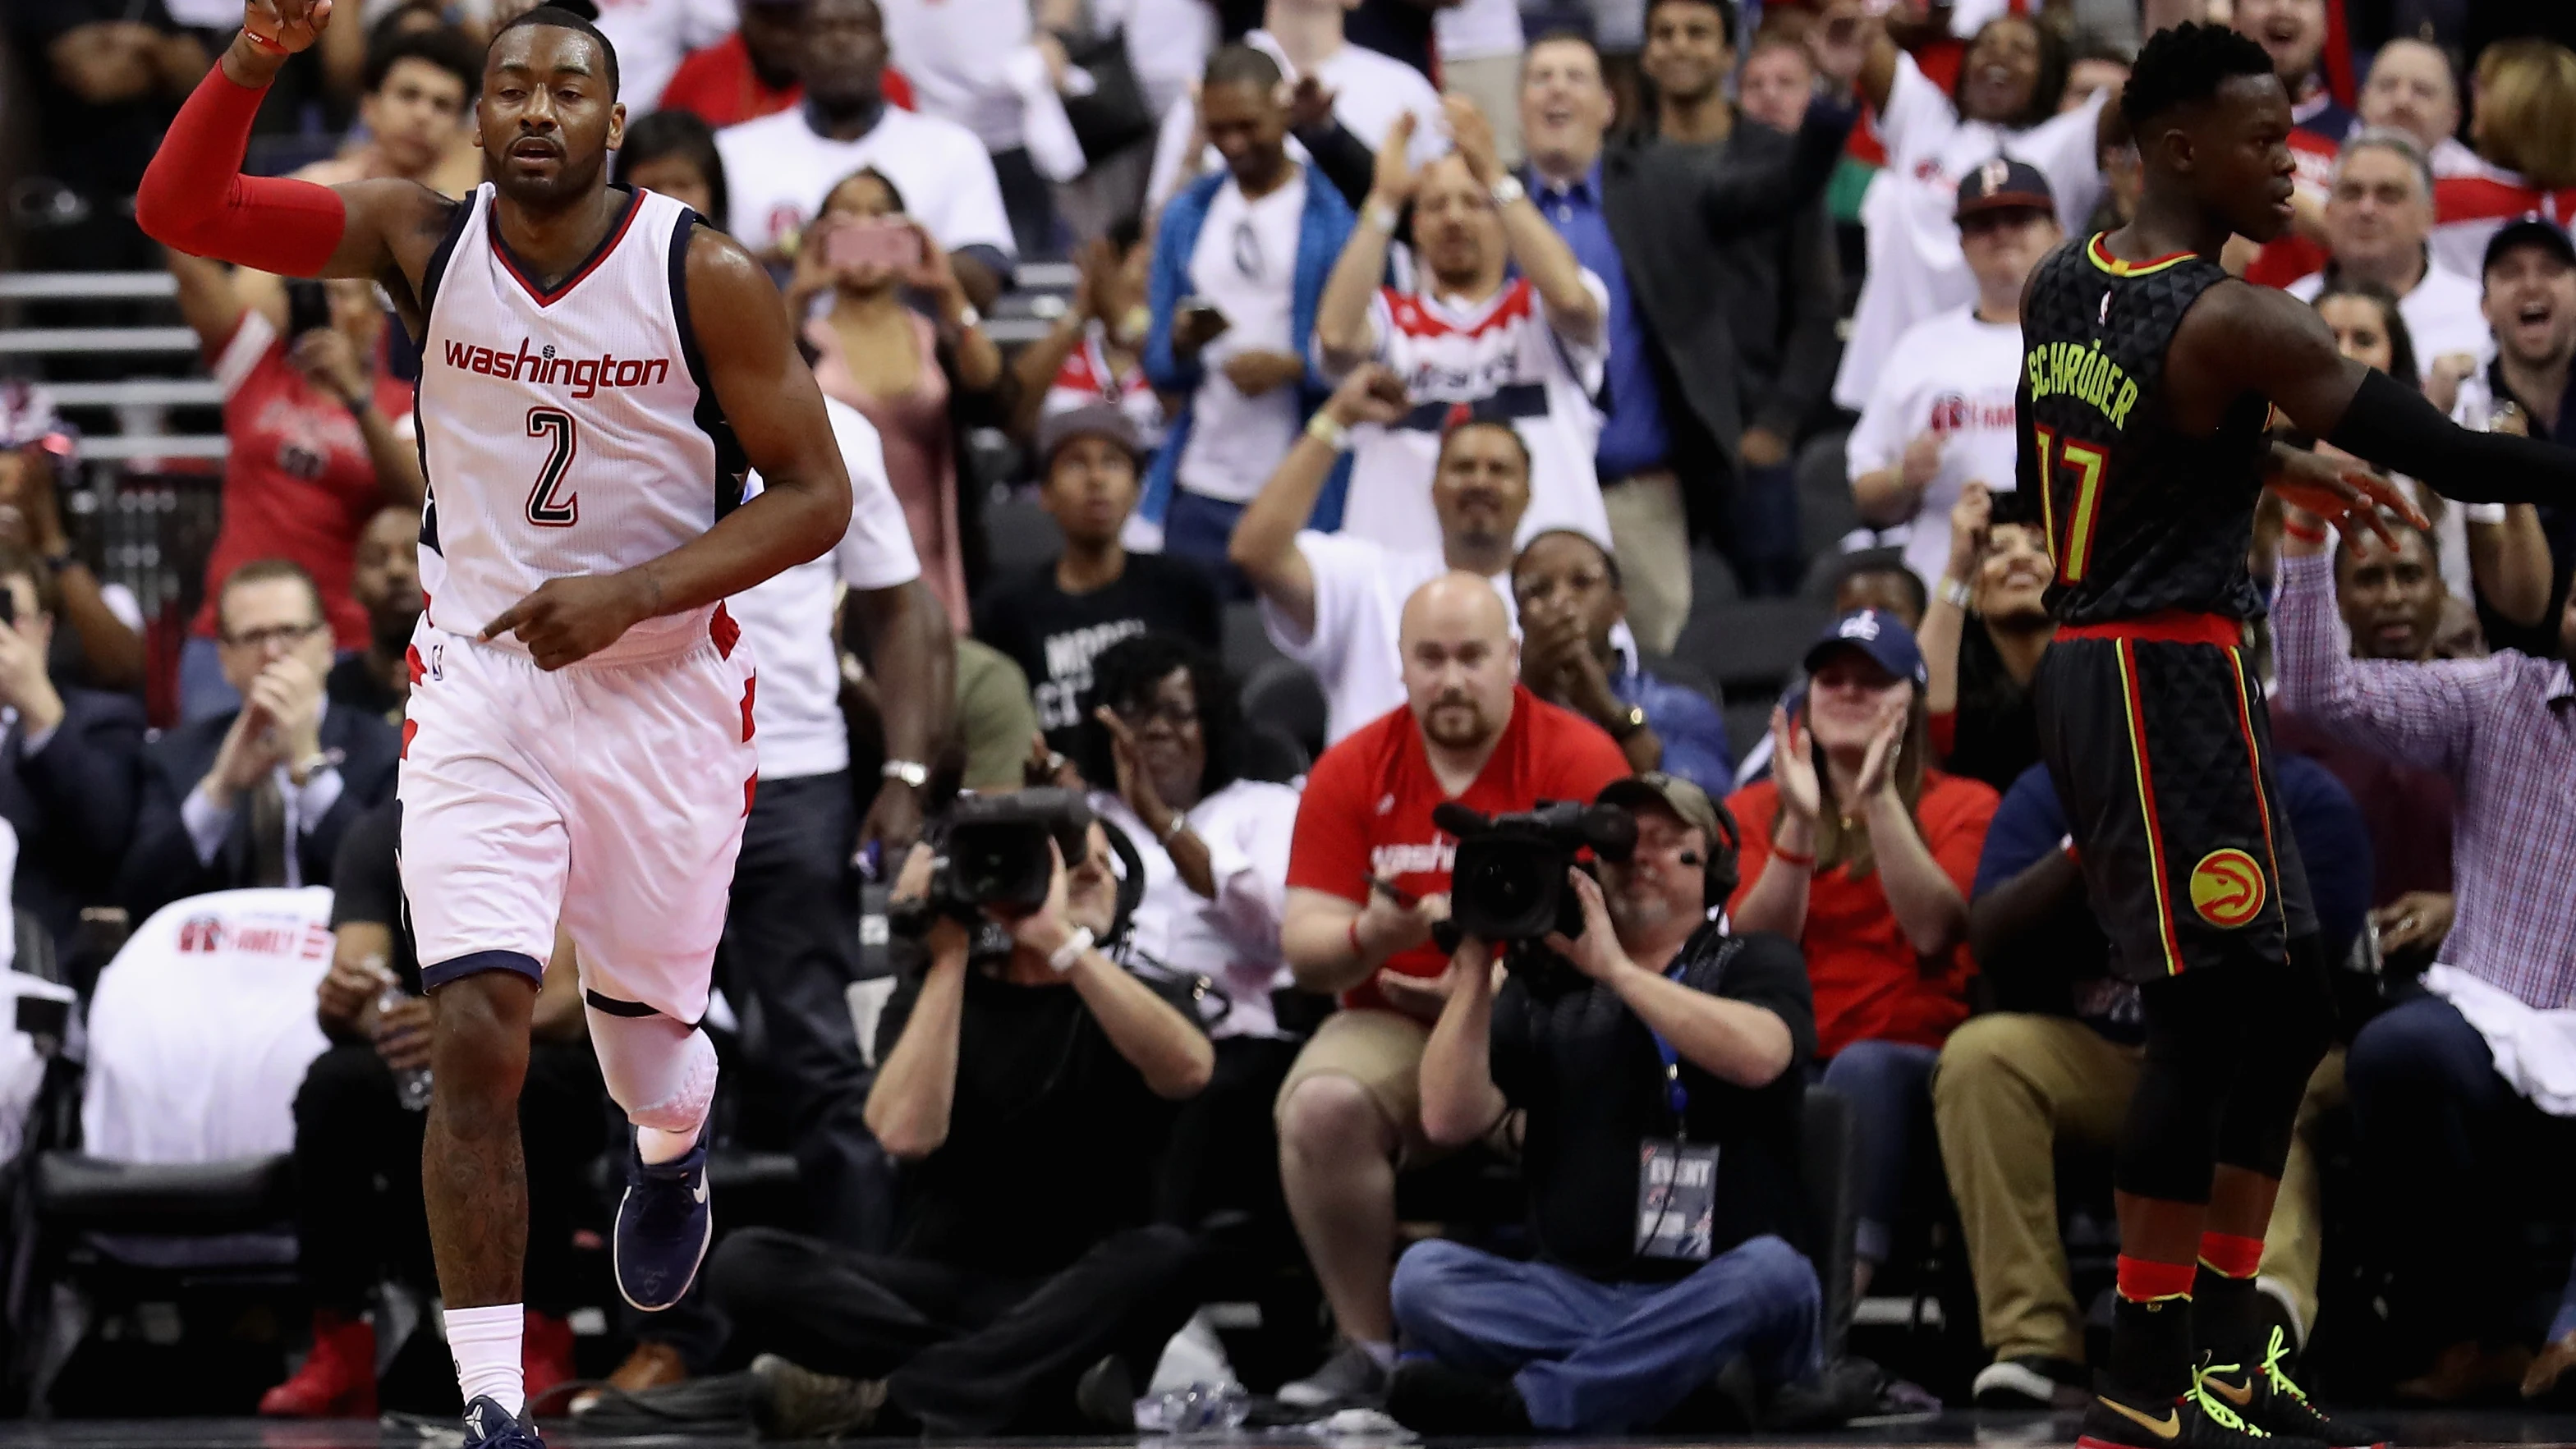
x=2534, y=1050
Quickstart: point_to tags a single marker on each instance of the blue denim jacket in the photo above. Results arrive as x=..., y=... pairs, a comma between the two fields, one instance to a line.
x=1322, y=230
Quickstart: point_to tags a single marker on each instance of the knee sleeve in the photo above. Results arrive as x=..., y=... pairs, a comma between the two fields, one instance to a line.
x=661, y=1072
x=2293, y=1012
x=2195, y=1034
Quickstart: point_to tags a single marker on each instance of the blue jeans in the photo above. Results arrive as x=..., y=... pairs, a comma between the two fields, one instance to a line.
x=1197, y=527
x=1610, y=1357
x=1890, y=1087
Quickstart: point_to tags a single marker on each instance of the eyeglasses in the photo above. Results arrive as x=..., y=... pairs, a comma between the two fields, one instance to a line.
x=277, y=635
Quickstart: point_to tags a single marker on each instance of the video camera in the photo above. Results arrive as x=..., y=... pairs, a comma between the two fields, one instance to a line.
x=993, y=850
x=1508, y=883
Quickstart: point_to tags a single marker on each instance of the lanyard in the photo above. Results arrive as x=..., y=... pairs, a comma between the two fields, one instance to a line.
x=1675, y=1094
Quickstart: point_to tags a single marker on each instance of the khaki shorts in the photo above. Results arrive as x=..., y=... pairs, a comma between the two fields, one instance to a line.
x=1382, y=1051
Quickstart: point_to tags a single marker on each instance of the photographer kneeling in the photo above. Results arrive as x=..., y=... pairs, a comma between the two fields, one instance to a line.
x=1029, y=1090
x=1660, y=1077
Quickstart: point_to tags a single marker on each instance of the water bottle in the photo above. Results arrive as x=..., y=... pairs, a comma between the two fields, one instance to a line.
x=411, y=1085
x=1202, y=1408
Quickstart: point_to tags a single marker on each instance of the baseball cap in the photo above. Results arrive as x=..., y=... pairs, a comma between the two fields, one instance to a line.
x=1688, y=802
x=1874, y=632
x=1090, y=420
x=2528, y=229
x=2003, y=184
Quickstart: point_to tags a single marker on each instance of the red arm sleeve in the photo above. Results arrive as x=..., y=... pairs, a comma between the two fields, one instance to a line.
x=194, y=197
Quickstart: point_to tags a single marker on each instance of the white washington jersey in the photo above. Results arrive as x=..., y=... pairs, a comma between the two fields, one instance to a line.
x=568, y=430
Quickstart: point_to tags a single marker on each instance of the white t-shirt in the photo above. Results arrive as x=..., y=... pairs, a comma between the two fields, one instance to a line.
x=2442, y=314
x=1360, y=589
x=779, y=171
x=948, y=50
x=1245, y=263
x=1954, y=377
x=1369, y=91
x=1168, y=43
x=1915, y=266
x=652, y=38
x=1232, y=940
x=1474, y=29
x=796, y=712
x=201, y=1029
x=1451, y=353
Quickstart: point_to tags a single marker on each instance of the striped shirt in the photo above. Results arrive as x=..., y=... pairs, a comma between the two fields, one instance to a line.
x=2503, y=729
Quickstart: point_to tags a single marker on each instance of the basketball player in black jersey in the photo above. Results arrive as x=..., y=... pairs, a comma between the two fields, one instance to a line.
x=2149, y=375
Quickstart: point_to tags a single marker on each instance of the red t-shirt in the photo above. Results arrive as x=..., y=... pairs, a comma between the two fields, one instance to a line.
x=719, y=86
x=1367, y=808
x=298, y=483
x=1868, y=985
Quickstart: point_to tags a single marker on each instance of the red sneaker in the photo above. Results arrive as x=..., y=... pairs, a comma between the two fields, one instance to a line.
x=338, y=1380
x=545, y=1354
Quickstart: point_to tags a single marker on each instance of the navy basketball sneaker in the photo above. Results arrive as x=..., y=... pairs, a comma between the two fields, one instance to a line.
x=663, y=1227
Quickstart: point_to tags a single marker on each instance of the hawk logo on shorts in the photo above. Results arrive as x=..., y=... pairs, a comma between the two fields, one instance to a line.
x=2227, y=888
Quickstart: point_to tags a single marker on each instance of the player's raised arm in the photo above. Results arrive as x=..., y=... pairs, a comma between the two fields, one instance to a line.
x=2264, y=341
x=193, y=196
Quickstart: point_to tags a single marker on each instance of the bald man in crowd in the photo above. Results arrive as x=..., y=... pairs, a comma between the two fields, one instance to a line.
x=1368, y=876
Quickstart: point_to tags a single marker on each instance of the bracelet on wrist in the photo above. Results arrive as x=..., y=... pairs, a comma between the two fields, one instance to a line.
x=1172, y=829
x=1954, y=593
x=262, y=42
x=1381, y=216
x=1792, y=857
x=1328, y=430
x=2303, y=533
x=1064, y=956
x=1358, y=951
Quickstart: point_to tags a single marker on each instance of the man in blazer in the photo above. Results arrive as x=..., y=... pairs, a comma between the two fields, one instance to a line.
x=262, y=795
x=1724, y=290
x=68, y=759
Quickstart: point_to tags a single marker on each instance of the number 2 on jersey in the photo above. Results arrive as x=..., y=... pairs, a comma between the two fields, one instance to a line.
x=545, y=510
x=2075, y=555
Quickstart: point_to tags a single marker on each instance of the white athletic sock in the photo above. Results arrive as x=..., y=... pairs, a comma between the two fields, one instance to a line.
x=485, y=1344
x=655, y=1145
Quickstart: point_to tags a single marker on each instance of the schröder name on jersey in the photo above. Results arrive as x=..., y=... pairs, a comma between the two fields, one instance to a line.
x=586, y=375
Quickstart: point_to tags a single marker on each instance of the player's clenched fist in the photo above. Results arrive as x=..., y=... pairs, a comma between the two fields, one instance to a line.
x=285, y=25
x=574, y=617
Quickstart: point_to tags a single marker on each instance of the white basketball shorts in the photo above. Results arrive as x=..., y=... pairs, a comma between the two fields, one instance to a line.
x=611, y=795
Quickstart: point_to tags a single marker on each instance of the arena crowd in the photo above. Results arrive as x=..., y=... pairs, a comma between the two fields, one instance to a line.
x=1447, y=400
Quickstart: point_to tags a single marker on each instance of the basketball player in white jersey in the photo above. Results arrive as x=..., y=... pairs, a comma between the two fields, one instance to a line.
x=597, y=370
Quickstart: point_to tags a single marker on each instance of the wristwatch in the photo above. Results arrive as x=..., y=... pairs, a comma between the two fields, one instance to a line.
x=1508, y=190
x=910, y=772
x=1954, y=593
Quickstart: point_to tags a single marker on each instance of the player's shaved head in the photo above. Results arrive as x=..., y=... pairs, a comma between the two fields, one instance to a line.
x=1459, y=660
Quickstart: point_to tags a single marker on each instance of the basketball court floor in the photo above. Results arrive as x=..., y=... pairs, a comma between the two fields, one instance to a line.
x=1936, y=1432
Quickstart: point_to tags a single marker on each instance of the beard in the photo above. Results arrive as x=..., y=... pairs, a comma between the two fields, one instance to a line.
x=1456, y=722
x=1635, y=916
